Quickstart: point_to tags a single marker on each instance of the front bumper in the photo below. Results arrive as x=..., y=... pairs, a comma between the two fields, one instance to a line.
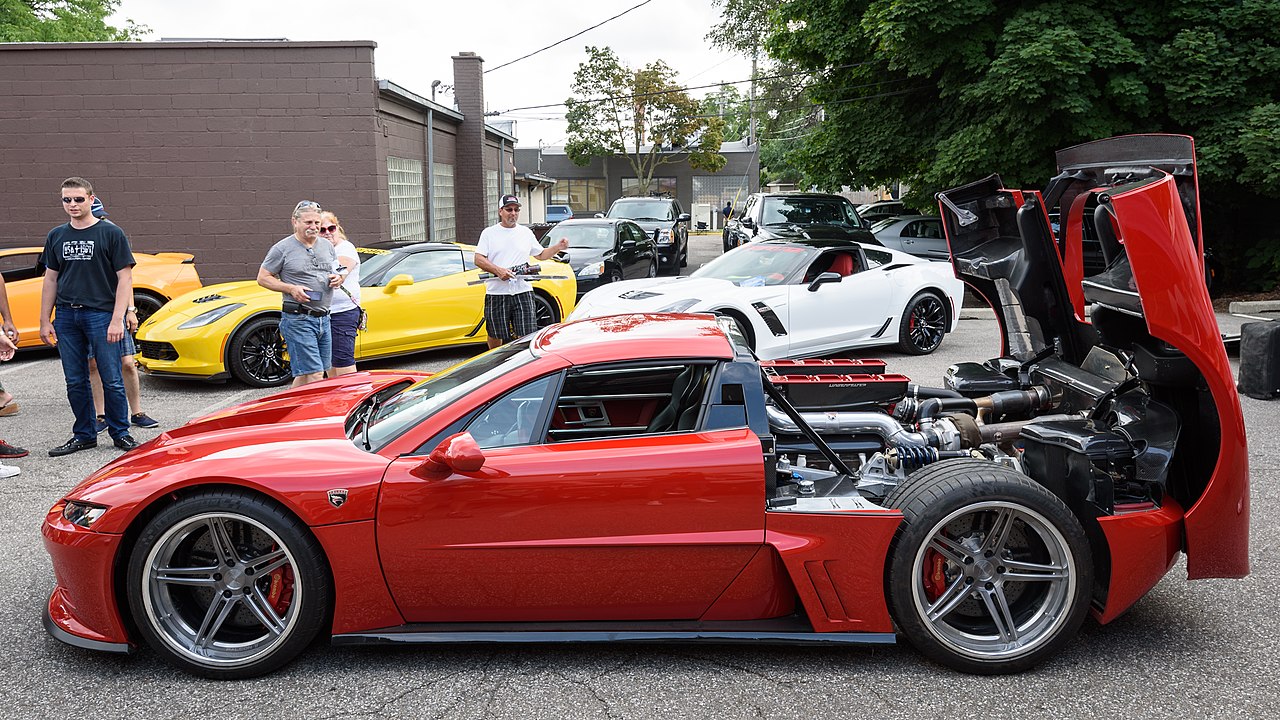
x=82, y=608
x=200, y=357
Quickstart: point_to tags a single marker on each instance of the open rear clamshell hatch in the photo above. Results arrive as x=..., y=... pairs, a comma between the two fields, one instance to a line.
x=1108, y=306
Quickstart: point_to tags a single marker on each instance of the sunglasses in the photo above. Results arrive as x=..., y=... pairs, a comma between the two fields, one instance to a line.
x=329, y=229
x=77, y=199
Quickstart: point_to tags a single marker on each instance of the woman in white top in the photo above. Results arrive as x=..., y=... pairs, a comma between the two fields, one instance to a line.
x=344, y=311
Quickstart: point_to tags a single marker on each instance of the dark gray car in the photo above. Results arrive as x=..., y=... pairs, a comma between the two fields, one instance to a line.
x=919, y=235
x=605, y=250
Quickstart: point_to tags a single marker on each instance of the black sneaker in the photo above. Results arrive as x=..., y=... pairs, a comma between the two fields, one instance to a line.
x=143, y=420
x=125, y=442
x=101, y=423
x=73, y=445
x=11, y=451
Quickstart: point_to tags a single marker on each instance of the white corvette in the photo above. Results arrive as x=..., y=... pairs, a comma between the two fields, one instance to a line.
x=805, y=297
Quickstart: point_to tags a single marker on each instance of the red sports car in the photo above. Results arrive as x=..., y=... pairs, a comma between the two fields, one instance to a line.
x=646, y=478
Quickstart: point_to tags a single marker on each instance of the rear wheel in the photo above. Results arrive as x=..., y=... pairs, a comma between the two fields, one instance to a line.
x=923, y=324
x=989, y=572
x=255, y=355
x=228, y=585
x=147, y=304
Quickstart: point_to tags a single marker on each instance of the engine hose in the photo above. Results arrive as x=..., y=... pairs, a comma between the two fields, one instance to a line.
x=933, y=407
x=914, y=390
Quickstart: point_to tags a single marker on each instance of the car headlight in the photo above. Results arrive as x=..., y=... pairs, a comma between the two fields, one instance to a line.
x=206, y=318
x=592, y=270
x=82, y=514
x=679, y=306
x=663, y=237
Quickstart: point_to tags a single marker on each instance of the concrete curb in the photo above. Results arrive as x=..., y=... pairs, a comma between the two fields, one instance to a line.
x=1254, y=306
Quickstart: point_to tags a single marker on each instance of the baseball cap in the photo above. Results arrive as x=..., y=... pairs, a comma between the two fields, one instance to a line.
x=97, y=209
x=509, y=200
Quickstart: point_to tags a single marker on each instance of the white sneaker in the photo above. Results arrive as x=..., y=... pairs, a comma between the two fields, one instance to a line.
x=8, y=471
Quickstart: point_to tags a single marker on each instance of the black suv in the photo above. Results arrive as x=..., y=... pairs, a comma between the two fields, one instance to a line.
x=664, y=220
x=796, y=215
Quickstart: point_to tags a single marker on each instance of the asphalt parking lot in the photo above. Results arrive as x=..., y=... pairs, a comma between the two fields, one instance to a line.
x=1208, y=649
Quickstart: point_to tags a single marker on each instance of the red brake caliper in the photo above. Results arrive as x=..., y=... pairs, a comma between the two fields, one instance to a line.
x=935, y=580
x=281, y=593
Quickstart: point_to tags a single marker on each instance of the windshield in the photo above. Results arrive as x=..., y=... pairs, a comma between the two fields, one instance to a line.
x=426, y=397
x=808, y=211
x=755, y=265
x=373, y=260
x=596, y=237
x=879, y=225
x=655, y=210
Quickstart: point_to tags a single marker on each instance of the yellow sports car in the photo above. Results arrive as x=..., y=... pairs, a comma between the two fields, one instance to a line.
x=156, y=278
x=418, y=297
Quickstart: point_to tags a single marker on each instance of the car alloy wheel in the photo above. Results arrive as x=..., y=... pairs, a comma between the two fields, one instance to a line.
x=256, y=354
x=989, y=571
x=923, y=324
x=227, y=585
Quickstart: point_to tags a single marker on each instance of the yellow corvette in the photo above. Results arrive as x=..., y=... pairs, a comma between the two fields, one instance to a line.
x=156, y=278
x=418, y=297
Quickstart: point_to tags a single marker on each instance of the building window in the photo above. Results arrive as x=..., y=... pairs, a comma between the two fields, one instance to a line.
x=404, y=188
x=443, y=215
x=491, y=194
x=657, y=186
x=585, y=195
x=711, y=192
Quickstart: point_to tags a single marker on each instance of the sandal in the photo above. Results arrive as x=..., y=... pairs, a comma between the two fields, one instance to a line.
x=9, y=408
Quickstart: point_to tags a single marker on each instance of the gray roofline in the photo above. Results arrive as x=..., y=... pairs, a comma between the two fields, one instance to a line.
x=184, y=43
x=413, y=99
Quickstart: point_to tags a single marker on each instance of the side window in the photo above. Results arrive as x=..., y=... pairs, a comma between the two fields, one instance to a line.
x=611, y=401
x=876, y=258
x=751, y=205
x=512, y=419
x=912, y=230
x=428, y=265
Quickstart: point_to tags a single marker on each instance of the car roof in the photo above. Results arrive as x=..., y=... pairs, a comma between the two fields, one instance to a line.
x=399, y=245
x=593, y=221
x=636, y=336
x=647, y=198
x=802, y=195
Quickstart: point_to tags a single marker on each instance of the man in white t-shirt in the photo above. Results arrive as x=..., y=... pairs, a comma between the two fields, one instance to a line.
x=509, y=311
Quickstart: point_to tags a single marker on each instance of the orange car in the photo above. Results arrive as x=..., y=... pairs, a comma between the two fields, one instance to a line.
x=156, y=278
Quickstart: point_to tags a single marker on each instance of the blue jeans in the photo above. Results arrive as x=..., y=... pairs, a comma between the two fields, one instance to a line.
x=309, y=341
x=79, y=329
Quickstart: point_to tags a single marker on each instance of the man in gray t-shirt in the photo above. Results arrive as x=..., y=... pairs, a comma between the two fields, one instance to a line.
x=300, y=268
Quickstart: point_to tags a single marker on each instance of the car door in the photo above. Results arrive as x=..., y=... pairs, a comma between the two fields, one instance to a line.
x=615, y=523
x=840, y=314
x=422, y=301
x=630, y=252
x=924, y=238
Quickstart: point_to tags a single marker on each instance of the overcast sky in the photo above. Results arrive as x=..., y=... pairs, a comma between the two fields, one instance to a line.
x=416, y=40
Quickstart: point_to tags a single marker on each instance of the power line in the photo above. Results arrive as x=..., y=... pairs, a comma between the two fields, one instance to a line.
x=593, y=27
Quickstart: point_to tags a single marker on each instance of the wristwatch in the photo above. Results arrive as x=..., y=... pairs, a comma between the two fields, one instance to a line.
x=131, y=309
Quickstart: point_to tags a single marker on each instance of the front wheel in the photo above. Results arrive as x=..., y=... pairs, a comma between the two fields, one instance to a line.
x=227, y=585
x=989, y=572
x=924, y=322
x=255, y=355
x=545, y=310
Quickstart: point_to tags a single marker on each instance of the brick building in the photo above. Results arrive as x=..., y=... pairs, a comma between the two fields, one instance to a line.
x=205, y=147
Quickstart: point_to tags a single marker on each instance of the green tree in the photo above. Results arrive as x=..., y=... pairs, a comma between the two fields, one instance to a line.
x=730, y=105
x=642, y=115
x=63, y=21
x=940, y=92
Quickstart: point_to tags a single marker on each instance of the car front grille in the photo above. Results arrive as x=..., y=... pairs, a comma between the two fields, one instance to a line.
x=157, y=350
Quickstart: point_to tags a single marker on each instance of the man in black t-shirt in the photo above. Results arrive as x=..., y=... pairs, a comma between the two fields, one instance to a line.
x=89, y=277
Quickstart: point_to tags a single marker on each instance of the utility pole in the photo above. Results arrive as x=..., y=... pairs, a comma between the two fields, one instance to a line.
x=751, y=104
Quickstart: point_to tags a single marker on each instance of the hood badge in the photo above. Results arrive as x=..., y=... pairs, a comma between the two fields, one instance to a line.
x=338, y=497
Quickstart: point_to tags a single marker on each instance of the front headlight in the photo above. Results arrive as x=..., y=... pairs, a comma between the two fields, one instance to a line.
x=679, y=306
x=82, y=514
x=206, y=318
x=663, y=237
x=592, y=270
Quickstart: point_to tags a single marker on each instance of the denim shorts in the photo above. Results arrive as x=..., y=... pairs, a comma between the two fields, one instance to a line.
x=343, y=327
x=309, y=342
x=126, y=345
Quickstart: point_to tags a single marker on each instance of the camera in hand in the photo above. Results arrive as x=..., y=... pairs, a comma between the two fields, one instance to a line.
x=526, y=269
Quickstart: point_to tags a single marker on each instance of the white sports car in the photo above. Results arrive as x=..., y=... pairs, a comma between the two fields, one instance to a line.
x=805, y=297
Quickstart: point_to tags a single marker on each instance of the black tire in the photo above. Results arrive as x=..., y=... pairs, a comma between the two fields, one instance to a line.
x=546, y=310
x=653, y=269
x=146, y=303
x=228, y=585
x=684, y=255
x=615, y=275
x=950, y=577
x=924, y=322
x=255, y=355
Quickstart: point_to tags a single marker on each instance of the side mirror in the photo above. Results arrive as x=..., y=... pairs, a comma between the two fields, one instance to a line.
x=599, y=215
x=398, y=281
x=684, y=217
x=746, y=222
x=628, y=243
x=455, y=454
x=823, y=279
